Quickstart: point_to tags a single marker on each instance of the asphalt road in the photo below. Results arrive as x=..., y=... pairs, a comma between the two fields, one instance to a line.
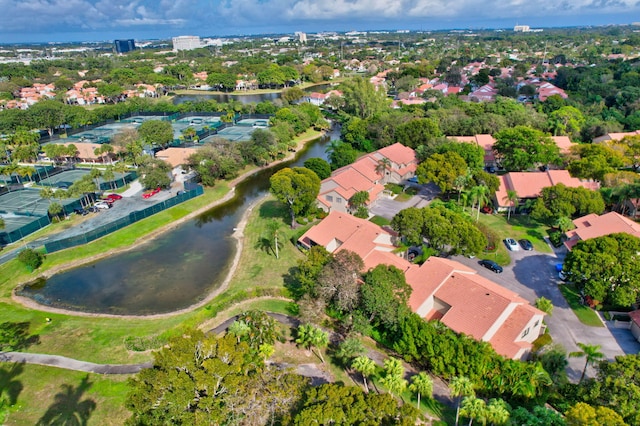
x=532, y=274
x=388, y=207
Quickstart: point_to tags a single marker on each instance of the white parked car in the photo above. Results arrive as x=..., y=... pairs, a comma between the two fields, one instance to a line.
x=102, y=205
x=512, y=244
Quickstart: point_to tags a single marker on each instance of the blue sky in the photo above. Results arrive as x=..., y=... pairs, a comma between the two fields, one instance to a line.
x=93, y=20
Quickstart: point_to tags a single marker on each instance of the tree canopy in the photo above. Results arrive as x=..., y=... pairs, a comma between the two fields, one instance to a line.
x=522, y=147
x=607, y=268
x=297, y=187
x=200, y=380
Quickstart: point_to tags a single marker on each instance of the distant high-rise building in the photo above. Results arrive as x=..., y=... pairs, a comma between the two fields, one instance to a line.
x=186, y=43
x=302, y=37
x=124, y=46
x=521, y=29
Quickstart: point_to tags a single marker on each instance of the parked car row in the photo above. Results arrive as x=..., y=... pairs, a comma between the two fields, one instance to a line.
x=515, y=246
x=151, y=193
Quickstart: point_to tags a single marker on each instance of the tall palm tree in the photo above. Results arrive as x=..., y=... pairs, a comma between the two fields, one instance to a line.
x=461, y=386
x=591, y=353
x=421, y=384
x=497, y=412
x=273, y=228
x=512, y=199
x=475, y=409
x=310, y=336
x=479, y=197
x=393, y=376
x=383, y=165
x=364, y=366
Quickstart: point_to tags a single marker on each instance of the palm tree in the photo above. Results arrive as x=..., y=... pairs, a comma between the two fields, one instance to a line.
x=239, y=329
x=383, y=165
x=96, y=174
x=497, y=412
x=121, y=167
x=393, y=376
x=310, y=336
x=364, y=366
x=461, y=386
x=272, y=228
x=479, y=197
x=109, y=176
x=512, y=199
x=591, y=353
x=475, y=409
x=421, y=384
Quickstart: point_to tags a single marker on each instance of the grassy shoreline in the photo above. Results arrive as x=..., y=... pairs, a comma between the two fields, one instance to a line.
x=100, y=338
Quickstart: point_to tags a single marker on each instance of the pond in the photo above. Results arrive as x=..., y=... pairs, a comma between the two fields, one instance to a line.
x=170, y=272
x=242, y=98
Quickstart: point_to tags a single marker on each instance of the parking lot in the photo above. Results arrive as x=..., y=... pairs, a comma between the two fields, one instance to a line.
x=532, y=274
x=131, y=201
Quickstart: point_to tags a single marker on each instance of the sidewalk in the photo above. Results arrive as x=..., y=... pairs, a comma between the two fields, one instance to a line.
x=72, y=364
x=134, y=188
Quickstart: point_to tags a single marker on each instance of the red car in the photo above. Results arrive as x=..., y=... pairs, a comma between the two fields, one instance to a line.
x=113, y=197
x=151, y=193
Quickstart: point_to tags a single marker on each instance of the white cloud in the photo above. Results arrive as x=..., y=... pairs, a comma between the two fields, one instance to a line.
x=226, y=16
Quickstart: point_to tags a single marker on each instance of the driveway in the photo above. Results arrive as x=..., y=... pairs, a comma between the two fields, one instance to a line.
x=388, y=207
x=532, y=275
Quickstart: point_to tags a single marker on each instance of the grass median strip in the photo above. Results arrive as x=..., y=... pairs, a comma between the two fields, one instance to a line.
x=585, y=314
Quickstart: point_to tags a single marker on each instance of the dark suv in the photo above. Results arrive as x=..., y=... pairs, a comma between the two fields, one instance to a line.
x=491, y=265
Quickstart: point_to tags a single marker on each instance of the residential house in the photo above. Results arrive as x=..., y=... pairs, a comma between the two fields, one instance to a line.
x=484, y=141
x=530, y=184
x=442, y=289
x=593, y=226
x=486, y=93
x=615, y=136
x=547, y=89
x=564, y=143
x=176, y=156
x=394, y=163
x=468, y=303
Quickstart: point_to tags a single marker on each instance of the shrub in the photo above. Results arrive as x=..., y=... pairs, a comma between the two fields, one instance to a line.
x=542, y=341
x=31, y=259
x=556, y=238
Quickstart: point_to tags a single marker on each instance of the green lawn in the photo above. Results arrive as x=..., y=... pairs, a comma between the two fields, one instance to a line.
x=41, y=391
x=518, y=227
x=585, y=314
x=380, y=221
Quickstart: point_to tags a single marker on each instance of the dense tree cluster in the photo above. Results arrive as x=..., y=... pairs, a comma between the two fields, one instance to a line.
x=560, y=201
x=607, y=268
x=445, y=230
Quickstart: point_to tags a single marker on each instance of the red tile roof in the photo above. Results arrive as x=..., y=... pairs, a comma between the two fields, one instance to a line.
x=476, y=306
x=530, y=184
x=593, y=226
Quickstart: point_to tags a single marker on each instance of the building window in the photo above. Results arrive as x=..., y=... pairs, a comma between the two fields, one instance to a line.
x=536, y=324
x=525, y=332
x=338, y=200
x=330, y=198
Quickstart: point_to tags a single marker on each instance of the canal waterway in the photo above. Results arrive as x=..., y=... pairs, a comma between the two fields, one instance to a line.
x=170, y=272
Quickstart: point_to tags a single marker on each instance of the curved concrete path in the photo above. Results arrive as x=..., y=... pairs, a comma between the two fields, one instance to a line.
x=72, y=364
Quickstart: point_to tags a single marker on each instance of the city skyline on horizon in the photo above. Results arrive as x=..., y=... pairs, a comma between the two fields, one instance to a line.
x=60, y=21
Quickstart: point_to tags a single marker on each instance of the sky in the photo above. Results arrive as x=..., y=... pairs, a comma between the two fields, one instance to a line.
x=26, y=21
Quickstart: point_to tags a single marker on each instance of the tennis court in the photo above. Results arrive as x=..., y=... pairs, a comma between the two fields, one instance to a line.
x=27, y=202
x=17, y=227
x=234, y=134
x=139, y=119
x=253, y=122
x=65, y=179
